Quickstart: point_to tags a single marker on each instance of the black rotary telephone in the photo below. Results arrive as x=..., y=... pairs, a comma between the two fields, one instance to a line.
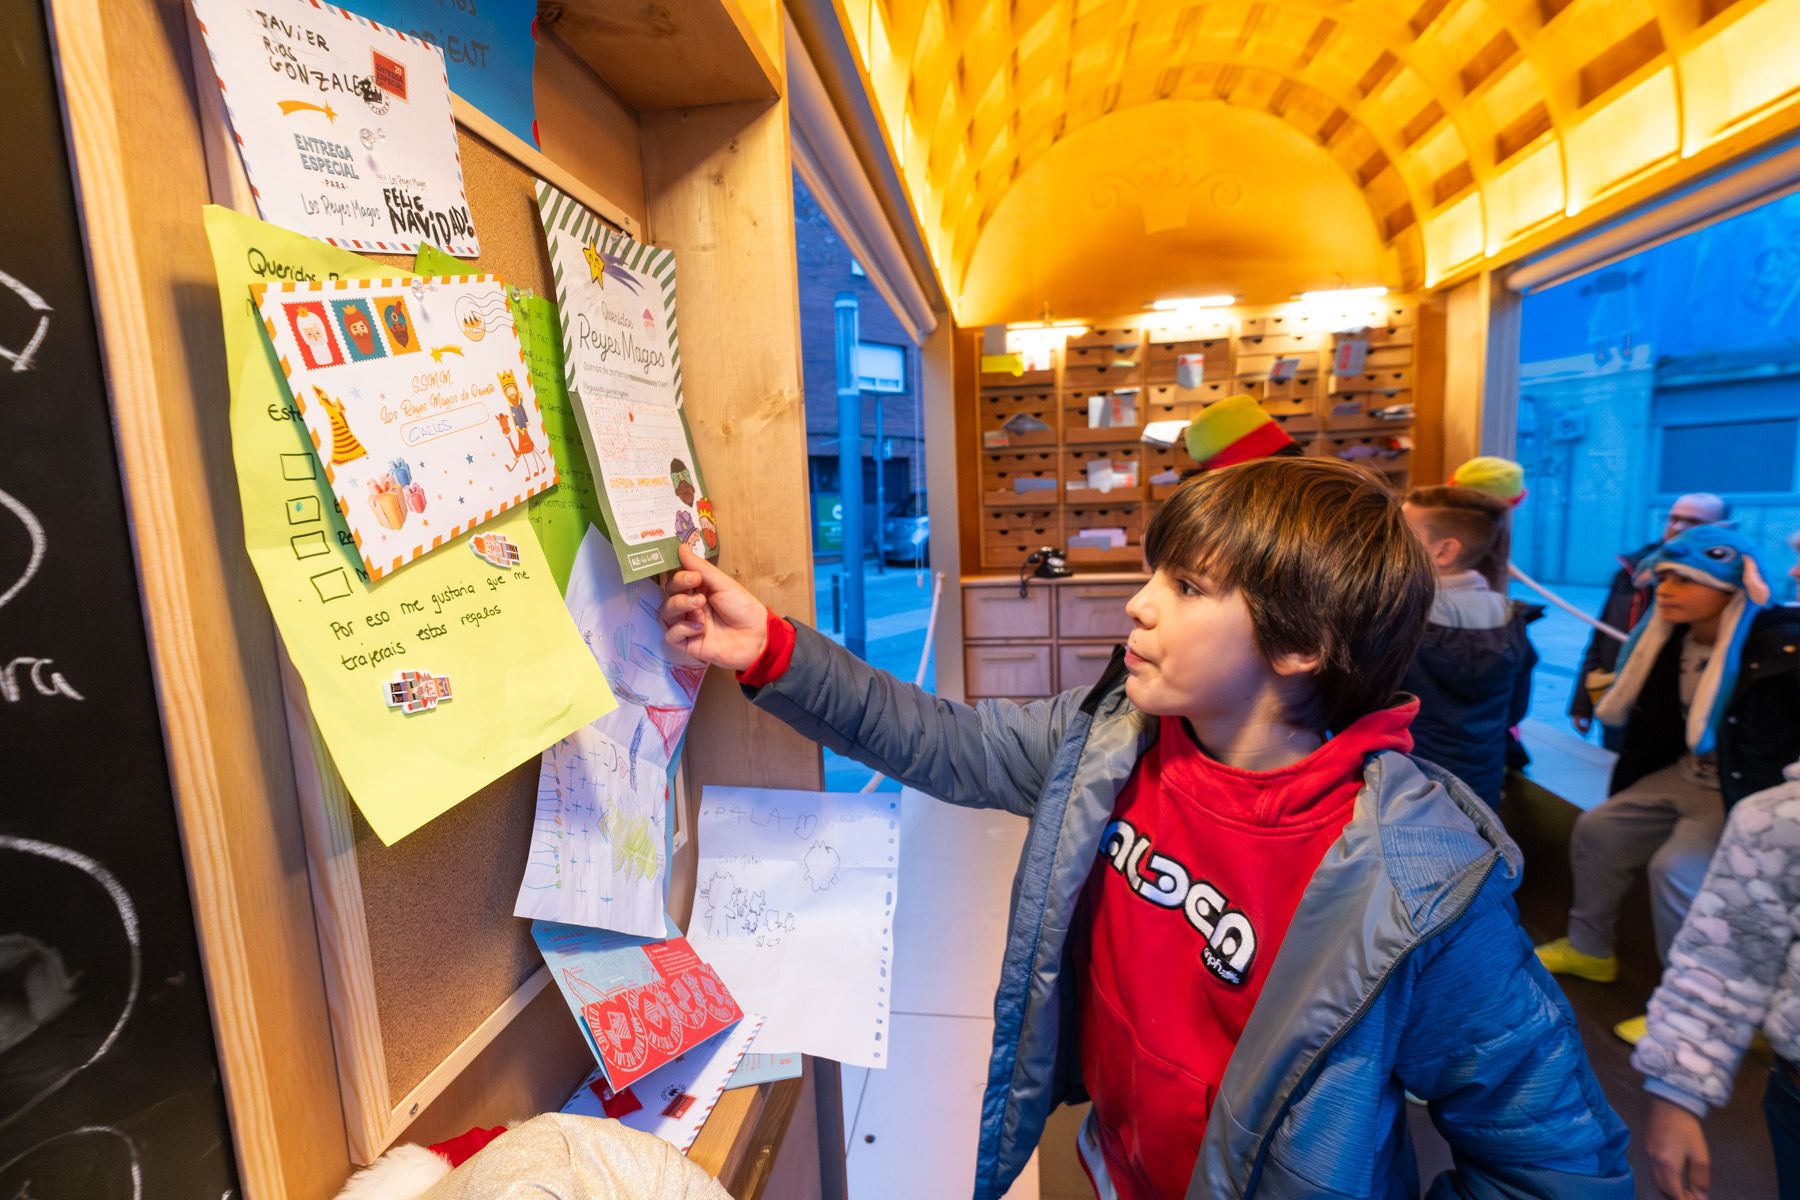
x=1050, y=563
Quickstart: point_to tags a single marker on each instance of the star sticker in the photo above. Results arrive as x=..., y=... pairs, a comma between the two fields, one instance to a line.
x=469, y=458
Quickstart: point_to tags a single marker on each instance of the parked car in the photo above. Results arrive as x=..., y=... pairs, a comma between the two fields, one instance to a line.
x=906, y=532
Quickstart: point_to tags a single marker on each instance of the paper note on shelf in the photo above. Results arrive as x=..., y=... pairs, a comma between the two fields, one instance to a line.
x=417, y=397
x=1033, y=483
x=622, y=365
x=453, y=615
x=1165, y=433
x=640, y=1002
x=1351, y=354
x=344, y=125
x=673, y=1101
x=1109, y=538
x=598, y=844
x=1100, y=474
x=795, y=908
x=1190, y=370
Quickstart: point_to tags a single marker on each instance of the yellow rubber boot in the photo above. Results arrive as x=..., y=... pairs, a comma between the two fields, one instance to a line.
x=1560, y=958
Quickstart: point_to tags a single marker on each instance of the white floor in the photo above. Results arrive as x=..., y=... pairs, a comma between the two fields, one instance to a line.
x=912, y=1127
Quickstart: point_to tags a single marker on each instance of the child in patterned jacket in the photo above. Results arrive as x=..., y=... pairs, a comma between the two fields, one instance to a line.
x=1734, y=967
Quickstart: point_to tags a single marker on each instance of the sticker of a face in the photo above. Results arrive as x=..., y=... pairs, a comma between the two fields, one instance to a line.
x=469, y=317
x=682, y=480
x=357, y=326
x=358, y=323
x=317, y=345
x=398, y=324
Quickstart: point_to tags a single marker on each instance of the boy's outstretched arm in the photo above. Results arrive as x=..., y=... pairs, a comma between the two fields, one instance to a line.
x=1493, y=1049
x=994, y=754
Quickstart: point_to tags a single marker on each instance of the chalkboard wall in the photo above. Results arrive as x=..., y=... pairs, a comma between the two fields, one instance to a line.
x=109, y=1084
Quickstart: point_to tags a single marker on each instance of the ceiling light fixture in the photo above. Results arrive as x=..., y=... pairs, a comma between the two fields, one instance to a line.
x=1185, y=302
x=1356, y=293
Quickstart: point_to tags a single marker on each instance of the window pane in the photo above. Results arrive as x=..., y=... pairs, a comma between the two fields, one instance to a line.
x=1745, y=456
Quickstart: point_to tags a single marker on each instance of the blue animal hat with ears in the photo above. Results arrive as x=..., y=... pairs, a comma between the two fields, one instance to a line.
x=1719, y=557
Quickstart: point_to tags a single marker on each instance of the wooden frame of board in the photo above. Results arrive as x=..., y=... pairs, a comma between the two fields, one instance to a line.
x=685, y=142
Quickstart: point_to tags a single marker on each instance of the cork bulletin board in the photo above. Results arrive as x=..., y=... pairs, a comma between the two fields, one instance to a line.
x=424, y=962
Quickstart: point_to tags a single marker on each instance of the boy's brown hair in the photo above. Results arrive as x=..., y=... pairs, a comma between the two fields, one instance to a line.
x=1480, y=522
x=1325, y=562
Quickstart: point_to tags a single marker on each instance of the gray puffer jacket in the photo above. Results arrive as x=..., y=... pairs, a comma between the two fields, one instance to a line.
x=1735, y=965
x=1404, y=968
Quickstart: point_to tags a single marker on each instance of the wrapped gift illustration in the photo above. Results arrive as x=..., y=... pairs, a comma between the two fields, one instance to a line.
x=418, y=691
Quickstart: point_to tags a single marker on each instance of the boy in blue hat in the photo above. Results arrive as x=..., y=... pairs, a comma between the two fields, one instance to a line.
x=1706, y=696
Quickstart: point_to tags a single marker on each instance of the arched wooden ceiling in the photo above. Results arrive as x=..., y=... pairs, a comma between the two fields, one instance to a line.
x=1468, y=126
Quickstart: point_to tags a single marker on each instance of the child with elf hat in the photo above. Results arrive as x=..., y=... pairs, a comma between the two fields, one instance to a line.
x=1707, y=696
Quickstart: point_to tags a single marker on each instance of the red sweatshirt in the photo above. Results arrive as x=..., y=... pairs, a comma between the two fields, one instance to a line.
x=1199, y=875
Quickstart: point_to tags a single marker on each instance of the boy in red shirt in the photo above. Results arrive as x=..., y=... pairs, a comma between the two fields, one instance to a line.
x=1245, y=921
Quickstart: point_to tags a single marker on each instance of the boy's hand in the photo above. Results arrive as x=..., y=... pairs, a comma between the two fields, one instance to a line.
x=712, y=616
x=1676, y=1145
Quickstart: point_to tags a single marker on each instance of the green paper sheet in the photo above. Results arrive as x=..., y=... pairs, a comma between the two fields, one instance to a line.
x=518, y=674
x=562, y=514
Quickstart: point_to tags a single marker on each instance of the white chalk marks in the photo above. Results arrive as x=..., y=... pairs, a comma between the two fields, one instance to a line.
x=21, y=359
x=34, y=668
x=134, y=967
x=17, y=1173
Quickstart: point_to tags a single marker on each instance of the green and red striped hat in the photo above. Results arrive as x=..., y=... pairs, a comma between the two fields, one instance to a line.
x=1235, y=430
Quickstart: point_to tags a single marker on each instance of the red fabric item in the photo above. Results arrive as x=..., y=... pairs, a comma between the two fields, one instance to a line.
x=1199, y=875
x=1260, y=442
x=776, y=656
x=464, y=1146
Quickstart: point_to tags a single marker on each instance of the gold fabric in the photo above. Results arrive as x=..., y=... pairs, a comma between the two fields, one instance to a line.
x=561, y=1156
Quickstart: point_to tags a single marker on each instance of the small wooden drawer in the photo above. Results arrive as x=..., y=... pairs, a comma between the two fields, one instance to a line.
x=1101, y=373
x=1130, y=556
x=1000, y=612
x=1170, y=403
x=1107, y=336
x=1093, y=610
x=1168, y=462
x=1356, y=410
x=1023, y=410
x=1297, y=425
x=1129, y=517
x=1075, y=467
x=1385, y=457
x=1279, y=343
x=1386, y=358
x=1388, y=380
x=1006, y=379
x=1000, y=473
x=1008, y=536
x=1076, y=405
x=1258, y=366
x=1079, y=665
x=1020, y=671
x=1282, y=403
x=1163, y=357
x=1210, y=391
x=1283, y=325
